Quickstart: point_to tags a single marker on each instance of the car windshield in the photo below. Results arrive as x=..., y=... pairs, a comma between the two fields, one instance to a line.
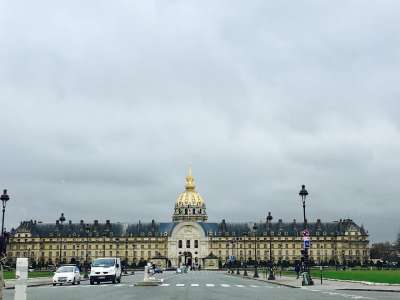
x=103, y=262
x=65, y=270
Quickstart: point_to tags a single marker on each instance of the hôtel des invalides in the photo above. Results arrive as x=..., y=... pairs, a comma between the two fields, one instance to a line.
x=189, y=239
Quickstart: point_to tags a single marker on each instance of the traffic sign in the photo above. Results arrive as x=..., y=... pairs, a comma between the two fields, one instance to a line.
x=306, y=232
x=306, y=238
x=306, y=244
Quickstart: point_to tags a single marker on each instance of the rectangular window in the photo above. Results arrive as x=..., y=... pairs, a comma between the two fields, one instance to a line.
x=187, y=243
x=196, y=243
x=180, y=244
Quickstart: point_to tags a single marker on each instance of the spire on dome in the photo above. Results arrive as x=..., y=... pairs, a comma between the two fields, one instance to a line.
x=190, y=181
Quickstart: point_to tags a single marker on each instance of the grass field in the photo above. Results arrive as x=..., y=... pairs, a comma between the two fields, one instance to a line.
x=11, y=274
x=379, y=276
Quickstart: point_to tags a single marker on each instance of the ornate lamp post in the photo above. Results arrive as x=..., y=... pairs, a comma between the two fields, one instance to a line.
x=4, y=198
x=271, y=275
x=306, y=270
x=255, y=251
x=87, y=230
x=245, y=255
x=61, y=220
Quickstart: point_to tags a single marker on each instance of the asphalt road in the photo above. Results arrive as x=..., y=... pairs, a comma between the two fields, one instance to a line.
x=194, y=285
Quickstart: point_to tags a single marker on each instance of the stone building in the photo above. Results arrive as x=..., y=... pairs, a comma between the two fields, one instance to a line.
x=188, y=239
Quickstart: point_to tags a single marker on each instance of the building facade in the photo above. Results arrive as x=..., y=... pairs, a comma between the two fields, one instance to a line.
x=188, y=239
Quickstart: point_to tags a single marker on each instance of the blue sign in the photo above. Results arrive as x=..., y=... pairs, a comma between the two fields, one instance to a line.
x=306, y=244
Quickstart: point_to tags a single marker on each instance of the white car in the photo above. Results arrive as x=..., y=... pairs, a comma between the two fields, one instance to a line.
x=67, y=274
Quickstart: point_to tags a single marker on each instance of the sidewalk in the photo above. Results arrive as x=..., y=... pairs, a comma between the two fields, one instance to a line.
x=327, y=284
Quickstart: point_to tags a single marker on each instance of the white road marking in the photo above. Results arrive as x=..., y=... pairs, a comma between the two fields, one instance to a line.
x=239, y=285
x=225, y=285
x=210, y=284
x=165, y=284
x=194, y=284
x=254, y=286
x=180, y=284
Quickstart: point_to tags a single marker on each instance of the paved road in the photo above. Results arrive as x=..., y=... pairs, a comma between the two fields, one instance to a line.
x=196, y=286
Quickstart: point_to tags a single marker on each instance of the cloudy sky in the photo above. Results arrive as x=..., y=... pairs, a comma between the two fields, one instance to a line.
x=105, y=104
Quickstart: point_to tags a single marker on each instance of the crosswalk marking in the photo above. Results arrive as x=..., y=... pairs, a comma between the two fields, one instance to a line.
x=221, y=285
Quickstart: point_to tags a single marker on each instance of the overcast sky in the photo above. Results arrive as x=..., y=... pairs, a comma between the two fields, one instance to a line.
x=105, y=104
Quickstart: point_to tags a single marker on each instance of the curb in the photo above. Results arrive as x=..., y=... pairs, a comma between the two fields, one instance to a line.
x=369, y=290
x=50, y=283
x=36, y=284
x=268, y=281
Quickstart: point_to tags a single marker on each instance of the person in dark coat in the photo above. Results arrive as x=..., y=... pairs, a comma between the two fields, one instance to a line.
x=297, y=269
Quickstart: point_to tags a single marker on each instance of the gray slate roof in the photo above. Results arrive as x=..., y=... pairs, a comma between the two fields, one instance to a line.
x=165, y=228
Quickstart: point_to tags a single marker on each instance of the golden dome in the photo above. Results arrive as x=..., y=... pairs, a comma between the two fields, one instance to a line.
x=189, y=196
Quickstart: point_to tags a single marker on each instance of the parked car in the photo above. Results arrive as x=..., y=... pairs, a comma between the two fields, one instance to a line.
x=67, y=274
x=157, y=270
x=105, y=269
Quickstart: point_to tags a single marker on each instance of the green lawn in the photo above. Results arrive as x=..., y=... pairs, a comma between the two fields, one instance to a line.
x=11, y=274
x=380, y=276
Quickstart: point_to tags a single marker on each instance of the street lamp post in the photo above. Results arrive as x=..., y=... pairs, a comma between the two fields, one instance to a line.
x=237, y=255
x=4, y=198
x=87, y=229
x=232, y=242
x=255, y=251
x=307, y=280
x=245, y=255
x=61, y=220
x=271, y=275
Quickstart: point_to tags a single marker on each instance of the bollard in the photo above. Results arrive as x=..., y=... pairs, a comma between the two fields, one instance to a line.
x=1, y=282
x=320, y=268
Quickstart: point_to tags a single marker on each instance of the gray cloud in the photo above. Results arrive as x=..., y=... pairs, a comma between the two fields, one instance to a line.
x=104, y=106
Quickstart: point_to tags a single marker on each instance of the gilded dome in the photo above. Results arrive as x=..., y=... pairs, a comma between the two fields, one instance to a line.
x=189, y=196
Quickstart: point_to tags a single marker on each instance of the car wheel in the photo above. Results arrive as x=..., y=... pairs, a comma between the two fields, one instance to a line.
x=79, y=282
x=73, y=282
x=91, y=281
x=54, y=284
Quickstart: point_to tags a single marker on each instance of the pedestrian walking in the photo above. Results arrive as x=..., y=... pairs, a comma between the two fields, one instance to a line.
x=297, y=269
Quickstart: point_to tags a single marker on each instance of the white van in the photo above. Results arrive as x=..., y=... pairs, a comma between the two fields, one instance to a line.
x=105, y=269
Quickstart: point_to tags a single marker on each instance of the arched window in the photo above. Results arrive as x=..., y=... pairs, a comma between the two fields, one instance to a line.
x=194, y=211
x=180, y=244
x=186, y=211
